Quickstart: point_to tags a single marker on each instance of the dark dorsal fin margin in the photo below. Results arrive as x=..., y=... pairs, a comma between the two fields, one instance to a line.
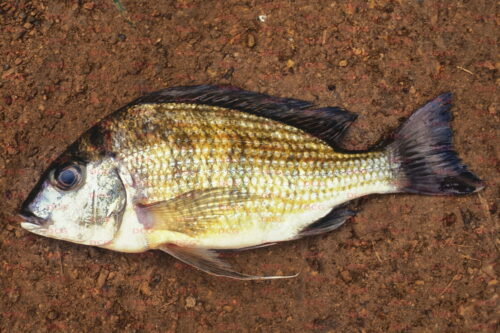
x=326, y=123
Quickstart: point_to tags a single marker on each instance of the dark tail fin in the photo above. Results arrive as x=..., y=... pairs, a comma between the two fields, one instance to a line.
x=423, y=148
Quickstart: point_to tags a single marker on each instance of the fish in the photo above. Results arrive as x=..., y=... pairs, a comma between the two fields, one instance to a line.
x=196, y=171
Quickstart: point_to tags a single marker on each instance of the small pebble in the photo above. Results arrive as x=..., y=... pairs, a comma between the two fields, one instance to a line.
x=227, y=308
x=345, y=276
x=145, y=290
x=8, y=73
x=122, y=37
x=14, y=296
x=190, y=302
x=27, y=26
x=492, y=109
x=89, y=5
x=33, y=151
x=449, y=219
x=489, y=270
x=461, y=310
x=211, y=72
x=343, y=63
x=250, y=40
x=8, y=194
x=228, y=74
x=74, y=274
x=155, y=280
x=7, y=100
x=101, y=279
x=19, y=34
x=52, y=315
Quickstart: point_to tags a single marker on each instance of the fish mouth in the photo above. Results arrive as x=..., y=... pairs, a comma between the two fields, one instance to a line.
x=31, y=221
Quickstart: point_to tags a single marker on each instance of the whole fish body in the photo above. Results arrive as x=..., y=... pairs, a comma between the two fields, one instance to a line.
x=197, y=170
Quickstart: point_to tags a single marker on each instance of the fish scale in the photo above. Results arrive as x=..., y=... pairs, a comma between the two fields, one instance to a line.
x=195, y=147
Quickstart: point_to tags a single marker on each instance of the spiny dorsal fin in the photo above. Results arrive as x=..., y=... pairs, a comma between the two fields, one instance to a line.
x=326, y=123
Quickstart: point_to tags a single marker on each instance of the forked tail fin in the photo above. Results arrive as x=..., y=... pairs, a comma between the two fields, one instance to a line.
x=423, y=149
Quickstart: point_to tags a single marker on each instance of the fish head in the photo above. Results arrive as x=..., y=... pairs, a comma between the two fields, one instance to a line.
x=80, y=202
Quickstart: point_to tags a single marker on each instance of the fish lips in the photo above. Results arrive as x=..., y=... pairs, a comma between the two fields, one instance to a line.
x=31, y=220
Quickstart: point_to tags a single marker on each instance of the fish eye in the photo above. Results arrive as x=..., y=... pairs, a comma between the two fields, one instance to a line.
x=68, y=177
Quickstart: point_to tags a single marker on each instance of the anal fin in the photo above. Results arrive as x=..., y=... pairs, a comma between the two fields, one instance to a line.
x=208, y=261
x=331, y=221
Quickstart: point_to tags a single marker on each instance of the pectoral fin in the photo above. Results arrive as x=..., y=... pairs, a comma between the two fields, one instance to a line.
x=187, y=217
x=207, y=260
x=195, y=211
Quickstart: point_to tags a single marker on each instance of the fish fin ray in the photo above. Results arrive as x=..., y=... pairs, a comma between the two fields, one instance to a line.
x=331, y=221
x=194, y=208
x=327, y=123
x=253, y=247
x=207, y=260
x=423, y=149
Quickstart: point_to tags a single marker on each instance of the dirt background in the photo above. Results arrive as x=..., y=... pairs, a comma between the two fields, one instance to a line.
x=405, y=264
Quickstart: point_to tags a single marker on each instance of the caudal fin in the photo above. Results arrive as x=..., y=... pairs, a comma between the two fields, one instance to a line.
x=423, y=149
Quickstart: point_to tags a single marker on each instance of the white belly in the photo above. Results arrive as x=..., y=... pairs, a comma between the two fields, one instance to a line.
x=290, y=225
x=132, y=237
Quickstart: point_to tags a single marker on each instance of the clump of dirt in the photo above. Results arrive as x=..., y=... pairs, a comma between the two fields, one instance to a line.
x=405, y=263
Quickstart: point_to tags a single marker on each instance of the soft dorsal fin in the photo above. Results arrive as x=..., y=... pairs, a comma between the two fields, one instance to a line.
x=326, y=123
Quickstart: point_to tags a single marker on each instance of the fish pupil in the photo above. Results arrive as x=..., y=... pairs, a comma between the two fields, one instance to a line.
x=68, y=177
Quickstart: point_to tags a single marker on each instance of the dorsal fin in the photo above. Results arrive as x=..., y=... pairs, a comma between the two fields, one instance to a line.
x=326, y=123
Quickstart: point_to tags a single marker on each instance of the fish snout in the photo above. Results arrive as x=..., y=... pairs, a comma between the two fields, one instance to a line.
x=29, y=217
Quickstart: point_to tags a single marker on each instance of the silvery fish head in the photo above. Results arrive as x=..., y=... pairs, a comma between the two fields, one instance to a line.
x=80, y=202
